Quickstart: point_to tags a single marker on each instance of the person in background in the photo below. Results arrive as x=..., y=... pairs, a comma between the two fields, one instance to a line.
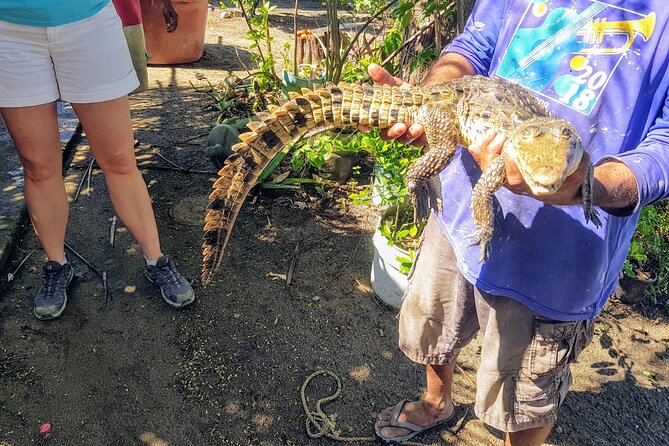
x=75, y=50
x=130, y=12
x=549, y=273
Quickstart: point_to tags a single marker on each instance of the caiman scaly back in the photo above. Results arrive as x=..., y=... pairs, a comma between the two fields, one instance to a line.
x=459, y=112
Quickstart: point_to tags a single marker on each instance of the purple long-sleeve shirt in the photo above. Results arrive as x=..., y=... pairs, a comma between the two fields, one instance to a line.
x=604, y=66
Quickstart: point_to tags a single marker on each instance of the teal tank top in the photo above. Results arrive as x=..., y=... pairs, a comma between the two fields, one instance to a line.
x=48, y=12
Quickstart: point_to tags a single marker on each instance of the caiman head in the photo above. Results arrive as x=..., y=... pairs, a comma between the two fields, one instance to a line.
x=546, y=150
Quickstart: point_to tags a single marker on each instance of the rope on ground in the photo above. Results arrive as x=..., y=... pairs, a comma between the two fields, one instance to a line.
x=319, y=424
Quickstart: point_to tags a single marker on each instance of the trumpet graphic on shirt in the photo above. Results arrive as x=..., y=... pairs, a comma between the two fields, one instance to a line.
x=604, y=37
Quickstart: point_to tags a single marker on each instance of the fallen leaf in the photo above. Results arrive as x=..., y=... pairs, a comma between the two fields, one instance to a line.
x=276, y=276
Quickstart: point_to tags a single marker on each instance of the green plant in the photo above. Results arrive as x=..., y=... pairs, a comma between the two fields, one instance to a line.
x=389, y=188
x=265, y=79
x=399, y=228
x=649, y=251
x=336, y=51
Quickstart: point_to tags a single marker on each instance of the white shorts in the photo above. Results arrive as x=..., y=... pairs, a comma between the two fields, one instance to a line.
x=81, y=62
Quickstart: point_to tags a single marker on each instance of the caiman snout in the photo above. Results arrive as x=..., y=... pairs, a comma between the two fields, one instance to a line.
x=545, y=180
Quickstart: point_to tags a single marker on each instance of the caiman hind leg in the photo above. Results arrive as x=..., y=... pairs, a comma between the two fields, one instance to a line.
x=482, y=204
x=440, y=127
x=591, y=214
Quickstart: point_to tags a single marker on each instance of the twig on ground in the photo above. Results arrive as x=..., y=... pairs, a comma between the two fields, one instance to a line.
x=289, y=277
x=471, y=381
x=157, y=152
x=150, y=166
x=10, y=276
x=87, y=174
x=102, y=275
x=104, y=285
x=88, y=181
x=27, y=327
x=83, y=260
x=363, y=286
x=177, y=166
x=112, y=230
x=195, y=137
x=195, y=162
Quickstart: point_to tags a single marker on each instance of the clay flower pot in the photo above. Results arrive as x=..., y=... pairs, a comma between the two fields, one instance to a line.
x=184, y=45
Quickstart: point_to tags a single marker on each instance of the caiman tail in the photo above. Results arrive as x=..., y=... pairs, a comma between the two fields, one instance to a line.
x=309, y=113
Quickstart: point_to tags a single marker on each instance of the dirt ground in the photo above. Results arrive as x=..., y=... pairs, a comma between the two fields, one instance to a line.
x=125, y=369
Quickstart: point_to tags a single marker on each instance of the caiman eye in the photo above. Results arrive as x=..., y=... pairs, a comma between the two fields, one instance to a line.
x=531, y=132
x=567, y=133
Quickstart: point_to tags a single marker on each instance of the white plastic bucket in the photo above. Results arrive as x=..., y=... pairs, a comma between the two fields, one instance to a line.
x=387, y=280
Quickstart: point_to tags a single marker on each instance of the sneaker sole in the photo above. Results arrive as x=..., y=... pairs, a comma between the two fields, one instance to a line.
x=169, y=302
x=50, y=317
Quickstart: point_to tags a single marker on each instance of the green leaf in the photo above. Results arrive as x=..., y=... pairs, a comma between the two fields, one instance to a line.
x=273, y=164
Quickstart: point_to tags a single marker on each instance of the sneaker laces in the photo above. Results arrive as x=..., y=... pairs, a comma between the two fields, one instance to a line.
x=169, y=275
x=51, y=280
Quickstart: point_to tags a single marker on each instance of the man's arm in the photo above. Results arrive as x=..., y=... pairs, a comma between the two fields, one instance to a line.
x=614, y=189
x=449, y=66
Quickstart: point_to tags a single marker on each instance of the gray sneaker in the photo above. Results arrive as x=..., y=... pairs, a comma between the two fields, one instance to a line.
x=51, y=298
x=174, y=288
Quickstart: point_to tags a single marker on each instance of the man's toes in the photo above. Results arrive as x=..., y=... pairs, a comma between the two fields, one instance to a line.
x=385, y=415
x=394, y=432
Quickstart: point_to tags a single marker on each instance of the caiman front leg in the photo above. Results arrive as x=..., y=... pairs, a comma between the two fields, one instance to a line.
x=439, y=125
x=482, y=205
x=591, y=214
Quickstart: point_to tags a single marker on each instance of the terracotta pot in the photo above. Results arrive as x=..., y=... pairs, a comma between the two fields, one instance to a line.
x=184, y=45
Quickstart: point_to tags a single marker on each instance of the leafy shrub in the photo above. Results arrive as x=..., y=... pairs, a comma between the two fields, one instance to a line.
x=649, y=251
x=389, y=189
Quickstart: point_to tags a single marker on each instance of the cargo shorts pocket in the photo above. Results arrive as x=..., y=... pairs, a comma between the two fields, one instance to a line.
x=544, y=378
x=551, y=346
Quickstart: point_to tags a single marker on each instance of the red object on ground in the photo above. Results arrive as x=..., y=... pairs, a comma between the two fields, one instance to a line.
x=45, y=428
x=184, y=45
x=130, y=11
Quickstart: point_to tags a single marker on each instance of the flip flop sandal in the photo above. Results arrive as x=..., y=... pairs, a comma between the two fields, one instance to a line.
x=414, y=428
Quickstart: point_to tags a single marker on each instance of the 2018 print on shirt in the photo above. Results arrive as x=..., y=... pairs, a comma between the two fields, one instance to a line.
x=569, y=55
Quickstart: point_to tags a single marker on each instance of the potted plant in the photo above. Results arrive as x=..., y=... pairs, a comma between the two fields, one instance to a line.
x=396, y=234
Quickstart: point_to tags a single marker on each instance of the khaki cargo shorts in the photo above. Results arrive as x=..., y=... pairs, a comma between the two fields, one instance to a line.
x=524, y=373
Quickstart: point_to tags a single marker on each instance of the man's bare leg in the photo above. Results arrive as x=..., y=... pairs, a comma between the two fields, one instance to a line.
x=35, y=133
x=437, y=404
x=529, y=437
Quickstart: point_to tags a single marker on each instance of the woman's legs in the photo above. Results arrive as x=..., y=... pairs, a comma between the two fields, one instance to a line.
x=109, y=132
x=34, y=131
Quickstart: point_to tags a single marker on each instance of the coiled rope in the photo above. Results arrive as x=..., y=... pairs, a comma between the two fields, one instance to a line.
x=319, y=424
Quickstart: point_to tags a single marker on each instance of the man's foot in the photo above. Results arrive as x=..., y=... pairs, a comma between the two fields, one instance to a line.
x=51, y=298
x=405, y=420
x=174, y=288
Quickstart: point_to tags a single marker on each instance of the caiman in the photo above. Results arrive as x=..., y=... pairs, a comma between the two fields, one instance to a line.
x=462, y=111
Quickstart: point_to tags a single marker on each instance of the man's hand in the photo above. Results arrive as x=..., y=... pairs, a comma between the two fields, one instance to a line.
x=401, y=132
x=568, y=194
x=170, y=15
